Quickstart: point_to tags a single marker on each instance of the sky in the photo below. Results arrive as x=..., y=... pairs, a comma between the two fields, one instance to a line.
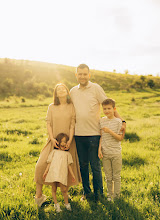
x=105, y=34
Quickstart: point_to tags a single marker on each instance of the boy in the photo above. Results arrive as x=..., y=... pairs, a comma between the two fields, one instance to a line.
x=110, y=148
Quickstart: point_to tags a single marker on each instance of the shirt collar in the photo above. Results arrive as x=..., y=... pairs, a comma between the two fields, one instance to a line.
x=88, y=86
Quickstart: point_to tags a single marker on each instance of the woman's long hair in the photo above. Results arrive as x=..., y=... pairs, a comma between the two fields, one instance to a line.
x=55, y=97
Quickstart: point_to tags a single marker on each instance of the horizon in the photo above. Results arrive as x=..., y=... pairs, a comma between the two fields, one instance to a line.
x=158, y=75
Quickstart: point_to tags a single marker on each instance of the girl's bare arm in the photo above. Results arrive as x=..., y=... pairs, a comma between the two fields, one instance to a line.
x=46, y=171
x=72, y=174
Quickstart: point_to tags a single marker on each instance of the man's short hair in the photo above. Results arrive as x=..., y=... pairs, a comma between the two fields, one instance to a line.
x=109, y=102
x=82, y=66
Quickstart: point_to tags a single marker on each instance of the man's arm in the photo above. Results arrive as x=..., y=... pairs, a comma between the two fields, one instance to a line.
x=123, y=128
x=100, y=155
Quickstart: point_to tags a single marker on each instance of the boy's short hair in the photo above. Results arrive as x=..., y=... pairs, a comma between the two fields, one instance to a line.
x=109, y=102
x=82, y=66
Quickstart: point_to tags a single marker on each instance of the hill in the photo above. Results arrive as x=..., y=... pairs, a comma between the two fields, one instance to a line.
x=32, y=78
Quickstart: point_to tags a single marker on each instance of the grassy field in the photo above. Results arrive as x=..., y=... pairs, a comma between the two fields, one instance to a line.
x=23, y=135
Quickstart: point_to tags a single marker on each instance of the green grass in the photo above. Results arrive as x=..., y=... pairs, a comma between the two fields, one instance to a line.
x=23, y=135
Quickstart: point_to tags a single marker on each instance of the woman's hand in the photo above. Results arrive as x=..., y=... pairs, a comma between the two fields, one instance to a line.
x=68, y=144
x=55, y=143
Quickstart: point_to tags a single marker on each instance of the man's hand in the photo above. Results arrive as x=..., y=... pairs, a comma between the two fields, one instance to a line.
x=123, y=129
x=100, y=155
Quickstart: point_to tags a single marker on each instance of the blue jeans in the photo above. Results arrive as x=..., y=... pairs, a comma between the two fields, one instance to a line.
x=87, y=148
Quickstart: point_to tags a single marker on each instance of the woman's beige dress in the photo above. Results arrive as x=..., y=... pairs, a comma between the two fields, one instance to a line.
x=61, y=121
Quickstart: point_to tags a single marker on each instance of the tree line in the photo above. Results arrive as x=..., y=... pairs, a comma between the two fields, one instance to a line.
x=32, y=78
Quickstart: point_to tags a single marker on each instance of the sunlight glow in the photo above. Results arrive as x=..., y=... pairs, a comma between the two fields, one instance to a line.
x=104, y=34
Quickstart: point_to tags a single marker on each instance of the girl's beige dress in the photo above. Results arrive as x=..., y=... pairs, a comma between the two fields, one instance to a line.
x=61, y=121
x=58, y=171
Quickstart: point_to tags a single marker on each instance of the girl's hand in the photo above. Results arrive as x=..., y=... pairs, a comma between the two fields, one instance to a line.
x=44, y=176
x=55, y=143
x=73, y=179
x=106, y=130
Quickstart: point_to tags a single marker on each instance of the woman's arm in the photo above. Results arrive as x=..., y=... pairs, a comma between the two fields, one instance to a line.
x=71, y=134
x=54, y=141
x=72, y=128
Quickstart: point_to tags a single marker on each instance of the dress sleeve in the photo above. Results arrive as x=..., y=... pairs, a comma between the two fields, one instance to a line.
x=101, y=96
x=50, y=157
x=73, y=119
x=49, y=115
x=70, y=159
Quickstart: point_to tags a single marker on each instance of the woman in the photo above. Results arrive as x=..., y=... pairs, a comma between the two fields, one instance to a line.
x=60, y=119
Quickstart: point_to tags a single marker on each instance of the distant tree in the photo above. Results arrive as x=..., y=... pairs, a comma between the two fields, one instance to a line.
x=8, y=83
x=143, y=81
x=137, y=84
x=126, y=71
x=114, y=70
x=143, y=78
x=151, y=83
x=28, y=74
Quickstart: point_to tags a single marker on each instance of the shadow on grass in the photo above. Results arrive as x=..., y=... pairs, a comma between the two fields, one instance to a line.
x=89, y=210
x=134, y=160
x=86, y=210
x=132, y=137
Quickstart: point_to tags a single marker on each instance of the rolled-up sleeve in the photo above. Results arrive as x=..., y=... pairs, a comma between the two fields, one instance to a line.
x=101, y=96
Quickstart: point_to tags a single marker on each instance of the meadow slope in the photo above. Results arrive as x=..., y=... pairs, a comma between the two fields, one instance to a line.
x=23, y=135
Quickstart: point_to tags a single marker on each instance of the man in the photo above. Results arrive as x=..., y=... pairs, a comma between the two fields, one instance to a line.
x=87, y=97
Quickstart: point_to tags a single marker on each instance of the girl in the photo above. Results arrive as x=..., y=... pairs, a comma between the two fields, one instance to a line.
x=59, y=163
